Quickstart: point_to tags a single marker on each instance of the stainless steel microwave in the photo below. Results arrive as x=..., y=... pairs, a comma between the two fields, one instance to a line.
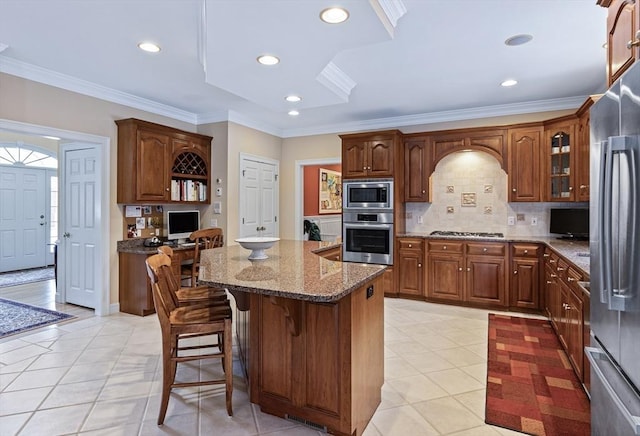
x=368, y=194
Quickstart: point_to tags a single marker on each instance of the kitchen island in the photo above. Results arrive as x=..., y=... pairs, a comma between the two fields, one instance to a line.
x=310, y=332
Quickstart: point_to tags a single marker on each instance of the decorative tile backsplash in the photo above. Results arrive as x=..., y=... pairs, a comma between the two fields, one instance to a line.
x=475, y=182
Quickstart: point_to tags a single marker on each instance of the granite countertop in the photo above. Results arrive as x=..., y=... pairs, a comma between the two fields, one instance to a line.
x=293, y=270
x=577, y=252
x=136, y=246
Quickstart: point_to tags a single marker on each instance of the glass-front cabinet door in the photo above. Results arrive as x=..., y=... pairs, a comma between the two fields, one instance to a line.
x=560, y=167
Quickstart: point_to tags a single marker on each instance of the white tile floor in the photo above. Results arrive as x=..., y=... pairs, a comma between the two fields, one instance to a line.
x=101, y=376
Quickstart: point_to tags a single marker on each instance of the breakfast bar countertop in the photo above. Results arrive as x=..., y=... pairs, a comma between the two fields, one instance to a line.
x=292, y=270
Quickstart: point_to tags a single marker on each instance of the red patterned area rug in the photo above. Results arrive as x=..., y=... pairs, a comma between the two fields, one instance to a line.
x=531, y=386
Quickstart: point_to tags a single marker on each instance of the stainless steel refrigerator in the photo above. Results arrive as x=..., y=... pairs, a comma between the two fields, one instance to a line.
x=614, y=219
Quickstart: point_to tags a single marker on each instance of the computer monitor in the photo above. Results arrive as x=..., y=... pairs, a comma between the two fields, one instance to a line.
x=181, y=223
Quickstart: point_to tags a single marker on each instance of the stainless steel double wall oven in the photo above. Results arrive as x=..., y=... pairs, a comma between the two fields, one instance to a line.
x=367, y=221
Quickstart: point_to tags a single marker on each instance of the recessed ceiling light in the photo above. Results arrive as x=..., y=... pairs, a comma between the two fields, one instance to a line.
x=334, y=15
x=509, y=82
x=149, y=46
x=518, y=40
x=268, y=60
x=293, y=98
x=294, y=113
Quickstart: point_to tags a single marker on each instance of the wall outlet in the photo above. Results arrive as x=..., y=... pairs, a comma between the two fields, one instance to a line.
x=511, y=220
x=218, y=192
x=534, y=220
x=217, y=207
x=520, y=217
x=420, y=219
x=214, y=222
x=408, y=215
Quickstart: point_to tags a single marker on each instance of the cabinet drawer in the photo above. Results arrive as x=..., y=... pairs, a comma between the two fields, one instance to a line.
x=574, y=276
x=410, y=244
x=487, y=249
x=526, y=250
x=561, y=267
x=446, y=246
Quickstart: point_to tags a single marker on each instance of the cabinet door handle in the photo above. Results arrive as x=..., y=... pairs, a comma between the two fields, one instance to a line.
x=545, y=255
x=634, y=42
x=166, y=189
x=409, y=245
x=583, y=186
x=570, y=188
x=419, y=265
x=553, y=276
x=423, y=191
x=571, y=279
x=468, y=269
x=460, y=269
x=444, y=247
x=549, y=282
x=552, y=261
x=560, y=268
x=526, y=251
x=484, y=250
x=515, y=272
x=514, y=189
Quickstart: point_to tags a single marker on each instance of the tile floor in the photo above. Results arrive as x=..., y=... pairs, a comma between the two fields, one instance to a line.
x=101, y=376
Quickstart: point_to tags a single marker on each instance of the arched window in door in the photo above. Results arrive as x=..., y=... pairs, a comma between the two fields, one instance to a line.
x=20, y=154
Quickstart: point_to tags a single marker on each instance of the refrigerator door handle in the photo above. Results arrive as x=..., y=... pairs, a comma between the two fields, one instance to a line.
x=618, y=292
x=595, y=356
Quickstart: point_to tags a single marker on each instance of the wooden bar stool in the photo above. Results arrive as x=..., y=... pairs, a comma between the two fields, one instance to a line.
x=192, y=295
x=180, y=322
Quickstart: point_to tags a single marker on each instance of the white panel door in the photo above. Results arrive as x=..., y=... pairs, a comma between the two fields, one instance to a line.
x=22, y=218
x=258, y=197
x=80, y=231
x=268, y=203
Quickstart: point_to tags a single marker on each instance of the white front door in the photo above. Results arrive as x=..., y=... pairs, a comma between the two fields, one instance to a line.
x=258, y=197
x=22, y=218
x=80, y=231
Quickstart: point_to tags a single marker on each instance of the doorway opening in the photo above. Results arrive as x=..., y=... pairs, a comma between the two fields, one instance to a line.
x=70, y=140
x=28, y=196
x=330, y=224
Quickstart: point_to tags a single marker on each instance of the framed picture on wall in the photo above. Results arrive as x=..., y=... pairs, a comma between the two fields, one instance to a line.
x=330, y=192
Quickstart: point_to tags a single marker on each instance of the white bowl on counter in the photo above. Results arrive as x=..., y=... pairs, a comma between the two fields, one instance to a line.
x=257, y=245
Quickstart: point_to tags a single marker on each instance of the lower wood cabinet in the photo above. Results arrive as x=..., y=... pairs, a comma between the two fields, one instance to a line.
x=524, y=283
x=567, y=307
x=410, y=267
x=331, y=254
x=467, y=272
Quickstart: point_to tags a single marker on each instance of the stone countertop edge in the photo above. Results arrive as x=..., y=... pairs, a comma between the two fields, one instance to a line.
x=300, y=296
x=569, y=249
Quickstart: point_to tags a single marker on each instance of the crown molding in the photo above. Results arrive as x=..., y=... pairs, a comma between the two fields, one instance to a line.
x=336, y=81
x=58, y=80
x=440, y=117
x=3, y=47
x=246, y=121
x=389, y=12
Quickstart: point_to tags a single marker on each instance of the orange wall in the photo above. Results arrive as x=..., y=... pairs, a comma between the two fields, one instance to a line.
x=312, y=185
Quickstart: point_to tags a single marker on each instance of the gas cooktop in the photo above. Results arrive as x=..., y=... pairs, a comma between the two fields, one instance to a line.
x=467, y=234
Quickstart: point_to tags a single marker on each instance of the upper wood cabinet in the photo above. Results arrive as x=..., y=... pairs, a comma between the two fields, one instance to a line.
x=158, y=164
x=417, y=168
x=370, y=154
x=561, y=151
x=623, y=25
x=583, y=137
x=524, y=164
x=492, y=141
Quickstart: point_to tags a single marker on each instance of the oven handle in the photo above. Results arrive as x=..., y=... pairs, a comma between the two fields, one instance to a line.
x=362, y=224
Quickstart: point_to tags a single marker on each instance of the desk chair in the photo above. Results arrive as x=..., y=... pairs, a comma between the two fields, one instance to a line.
x=181, y=322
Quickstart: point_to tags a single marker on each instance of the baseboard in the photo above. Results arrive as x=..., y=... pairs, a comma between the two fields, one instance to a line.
x=114, y=308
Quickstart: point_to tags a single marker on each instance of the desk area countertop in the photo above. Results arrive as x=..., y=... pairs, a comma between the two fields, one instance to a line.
x=293, y=270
